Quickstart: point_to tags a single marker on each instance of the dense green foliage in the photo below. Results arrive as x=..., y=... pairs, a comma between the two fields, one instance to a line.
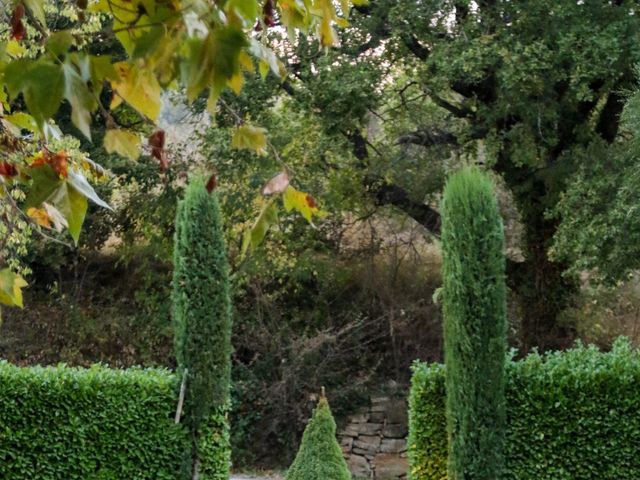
x=202, y=315
x=474, y=310
x=488, y=82
x=600, y=232
x=320, y=456
x=572, y=415
x=427, y=441
x=88, y=424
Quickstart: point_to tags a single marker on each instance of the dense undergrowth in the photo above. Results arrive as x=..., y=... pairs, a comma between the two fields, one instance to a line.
x=349, y=325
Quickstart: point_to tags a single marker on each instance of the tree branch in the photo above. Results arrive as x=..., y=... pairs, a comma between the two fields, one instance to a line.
x=428, y=138
x=415, y=47
x=389, y=194
x=459, y=112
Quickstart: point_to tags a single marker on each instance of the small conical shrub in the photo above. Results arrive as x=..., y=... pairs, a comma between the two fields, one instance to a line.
x=319, y=456
x=202, y=325
x=473, y=272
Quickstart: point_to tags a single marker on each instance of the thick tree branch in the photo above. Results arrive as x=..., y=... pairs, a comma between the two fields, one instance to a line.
x=459, y=112
x=389, y=194
x=484, y=90
x=428, y=138
x=415, y=47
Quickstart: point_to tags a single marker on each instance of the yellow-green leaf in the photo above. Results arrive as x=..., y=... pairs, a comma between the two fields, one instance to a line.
x=23, y=121
x=122, y=142
x=254, y=236
x=247, y=9
x=15, y=48
x=81, y=99
x=301, y=202
x=37, y=8
x=139, y=88
x=59, y=42
x=73, y=207
x=250, y=138
x=11, y=285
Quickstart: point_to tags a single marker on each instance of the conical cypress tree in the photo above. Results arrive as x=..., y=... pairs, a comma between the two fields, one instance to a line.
x=474, y=326
x=202, y=324
x=319, y=456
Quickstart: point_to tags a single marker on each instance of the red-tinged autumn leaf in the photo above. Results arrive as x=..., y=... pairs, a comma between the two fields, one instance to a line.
x=164, y=161
x=277, y=184
x=8, y=169
x=311, y=201
x=17, y=27
x=267, y=14
x=157, y=139
x=156, y=142
x=211, y=183
x=39, y=161
x=57, y=161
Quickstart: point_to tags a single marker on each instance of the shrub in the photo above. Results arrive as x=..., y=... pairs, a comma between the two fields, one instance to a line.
x=572, y=415
x=202, y=323
x=88, y=424
x=474, y=310
x=320, y=456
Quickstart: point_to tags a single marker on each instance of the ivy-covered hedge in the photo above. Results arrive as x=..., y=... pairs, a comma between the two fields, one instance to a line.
x=62, y=423
x=572, y=415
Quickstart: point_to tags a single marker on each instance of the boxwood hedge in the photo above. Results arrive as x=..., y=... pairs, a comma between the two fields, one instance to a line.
x=62, y=423
x=572, y=415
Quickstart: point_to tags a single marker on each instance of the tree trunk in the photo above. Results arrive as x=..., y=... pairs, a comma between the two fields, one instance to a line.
x=542, y=290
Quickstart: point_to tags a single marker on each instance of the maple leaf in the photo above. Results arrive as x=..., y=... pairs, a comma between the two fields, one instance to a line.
x=11, y=285
x=40, y=216
x=250, y=138
x=301, y=202
x=122, y=142
x=138, y=87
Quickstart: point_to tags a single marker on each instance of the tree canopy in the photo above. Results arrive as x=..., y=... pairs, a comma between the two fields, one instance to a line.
x=202, y=47
x=529, y=90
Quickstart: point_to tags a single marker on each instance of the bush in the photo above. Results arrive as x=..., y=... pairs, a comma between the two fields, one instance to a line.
x=202, y=324
x=572, y=415
x=88, y=424
x=475, y=333
x=320, y=456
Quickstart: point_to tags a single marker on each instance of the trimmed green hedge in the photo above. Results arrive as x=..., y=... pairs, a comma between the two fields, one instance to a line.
x=572, y=415
x=62, y=423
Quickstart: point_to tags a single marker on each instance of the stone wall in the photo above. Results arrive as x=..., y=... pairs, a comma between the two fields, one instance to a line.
x=374, y=440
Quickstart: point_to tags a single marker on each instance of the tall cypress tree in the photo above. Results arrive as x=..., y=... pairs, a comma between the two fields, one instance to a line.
x=474, y=326
x=202, y=324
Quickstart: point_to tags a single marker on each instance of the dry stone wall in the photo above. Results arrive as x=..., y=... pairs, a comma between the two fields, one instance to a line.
x=374, y=440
